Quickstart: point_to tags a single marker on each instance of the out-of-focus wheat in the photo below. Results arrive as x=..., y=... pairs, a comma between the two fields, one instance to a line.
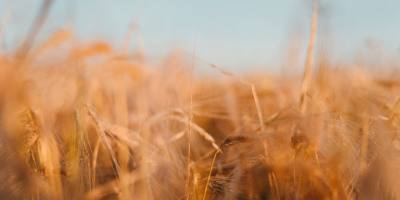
x=85, y=121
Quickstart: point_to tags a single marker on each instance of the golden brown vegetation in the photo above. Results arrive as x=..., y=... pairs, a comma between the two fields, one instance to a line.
x=85, y=121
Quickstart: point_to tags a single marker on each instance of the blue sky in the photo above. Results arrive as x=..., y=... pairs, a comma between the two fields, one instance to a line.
x=234, y=33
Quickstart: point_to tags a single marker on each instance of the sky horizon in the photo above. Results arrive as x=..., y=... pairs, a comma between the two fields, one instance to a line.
x=231, y=33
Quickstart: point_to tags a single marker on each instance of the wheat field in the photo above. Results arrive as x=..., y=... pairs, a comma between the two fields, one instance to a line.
x=86, y=120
